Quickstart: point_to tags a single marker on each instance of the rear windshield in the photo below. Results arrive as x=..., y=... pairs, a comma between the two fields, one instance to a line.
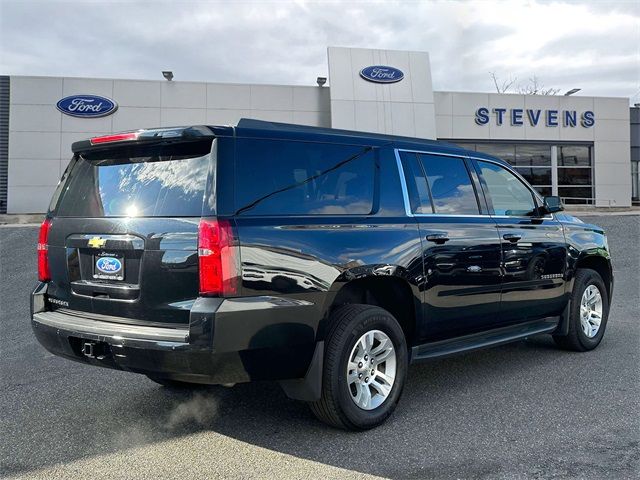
x=160, y=181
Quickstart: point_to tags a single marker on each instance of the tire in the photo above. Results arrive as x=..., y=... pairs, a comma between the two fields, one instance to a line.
x=577, y=338
x=337, y=405
x=176, y=384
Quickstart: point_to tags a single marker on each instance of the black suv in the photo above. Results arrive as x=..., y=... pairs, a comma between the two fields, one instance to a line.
x=325, y=260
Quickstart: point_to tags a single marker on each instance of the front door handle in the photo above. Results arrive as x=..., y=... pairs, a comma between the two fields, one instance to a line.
x=512, y=237
x=439, y=238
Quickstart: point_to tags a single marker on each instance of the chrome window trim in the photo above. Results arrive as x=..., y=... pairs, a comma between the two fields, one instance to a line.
x=403, y=185
x=405, y=190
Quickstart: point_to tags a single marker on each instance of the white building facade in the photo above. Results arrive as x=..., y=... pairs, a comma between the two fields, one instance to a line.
x=573, y=146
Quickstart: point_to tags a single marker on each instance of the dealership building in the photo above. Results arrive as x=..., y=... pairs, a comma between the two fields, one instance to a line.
x=585, y=149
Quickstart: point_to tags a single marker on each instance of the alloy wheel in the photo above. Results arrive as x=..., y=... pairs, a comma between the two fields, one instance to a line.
x=371, y=369
x=591, y=311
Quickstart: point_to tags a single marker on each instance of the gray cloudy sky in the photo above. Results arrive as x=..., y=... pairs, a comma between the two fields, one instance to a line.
x=593, y=45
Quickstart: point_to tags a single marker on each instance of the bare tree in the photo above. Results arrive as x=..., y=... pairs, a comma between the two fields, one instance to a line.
x=533, y=87
x=504, y=86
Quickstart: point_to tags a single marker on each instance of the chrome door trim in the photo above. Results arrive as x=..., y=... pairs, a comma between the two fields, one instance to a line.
x=403, y=185
x=405, y=190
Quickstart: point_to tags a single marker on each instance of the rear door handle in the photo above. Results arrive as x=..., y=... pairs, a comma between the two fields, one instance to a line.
x=512, y=237
x=438, y=238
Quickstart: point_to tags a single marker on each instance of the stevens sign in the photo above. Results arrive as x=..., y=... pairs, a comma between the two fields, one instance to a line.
x=534, y=117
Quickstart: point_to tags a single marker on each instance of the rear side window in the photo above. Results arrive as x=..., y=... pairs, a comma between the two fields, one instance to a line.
x=276, y=177
x=452, y=192
x=137, y=182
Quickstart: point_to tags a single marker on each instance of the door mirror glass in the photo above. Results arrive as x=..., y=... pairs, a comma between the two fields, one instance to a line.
x=553, y=204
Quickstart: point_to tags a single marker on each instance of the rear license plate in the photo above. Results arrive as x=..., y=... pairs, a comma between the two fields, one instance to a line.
x=108, y=266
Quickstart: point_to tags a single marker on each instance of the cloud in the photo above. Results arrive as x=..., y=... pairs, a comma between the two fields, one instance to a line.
x=284, y=42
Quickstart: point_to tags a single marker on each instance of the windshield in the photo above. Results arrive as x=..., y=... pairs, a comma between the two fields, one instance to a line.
x=167, y=181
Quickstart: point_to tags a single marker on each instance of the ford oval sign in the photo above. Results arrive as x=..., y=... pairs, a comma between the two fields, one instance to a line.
x=381, y=74
x=109, y=265
x=87, y=106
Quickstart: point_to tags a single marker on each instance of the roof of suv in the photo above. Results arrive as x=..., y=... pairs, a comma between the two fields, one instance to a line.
x=264, y=129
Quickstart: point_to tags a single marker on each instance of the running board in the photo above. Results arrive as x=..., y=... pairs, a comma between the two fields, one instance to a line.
x=486, y=339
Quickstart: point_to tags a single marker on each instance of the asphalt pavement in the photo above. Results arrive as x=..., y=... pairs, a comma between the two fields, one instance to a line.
x=525, y=410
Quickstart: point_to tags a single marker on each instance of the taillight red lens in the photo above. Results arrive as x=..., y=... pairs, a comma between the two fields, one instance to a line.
x=217, y=258
x=44, y=274
x=117, y=137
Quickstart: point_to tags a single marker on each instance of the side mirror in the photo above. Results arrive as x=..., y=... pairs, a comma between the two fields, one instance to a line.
x=553, y=204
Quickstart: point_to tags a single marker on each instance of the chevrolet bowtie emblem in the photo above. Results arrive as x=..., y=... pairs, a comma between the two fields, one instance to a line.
x=97, y=242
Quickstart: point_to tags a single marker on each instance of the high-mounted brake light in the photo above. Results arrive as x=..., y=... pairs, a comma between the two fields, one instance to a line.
x=117, y=137
x=217, y=258
x=44, y=273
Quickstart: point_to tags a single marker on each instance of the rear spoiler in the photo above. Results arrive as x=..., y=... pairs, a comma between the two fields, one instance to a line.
x=146, y=136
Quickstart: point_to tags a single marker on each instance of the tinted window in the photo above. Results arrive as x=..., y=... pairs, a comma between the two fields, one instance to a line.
x=144, y=182
x=571, y=155
x=416, y=184
x=450, y=185
x=576, y=194
x=533, y=155
x=506, y=192
x=506, y=152
x=536, y=176
x=275, y=177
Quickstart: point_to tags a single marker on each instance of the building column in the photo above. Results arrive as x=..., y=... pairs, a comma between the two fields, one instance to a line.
x=554, y=170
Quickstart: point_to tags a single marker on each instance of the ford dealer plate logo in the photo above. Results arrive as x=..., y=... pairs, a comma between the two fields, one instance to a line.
x=381, y=74
x=109, y=265
x=88, y=106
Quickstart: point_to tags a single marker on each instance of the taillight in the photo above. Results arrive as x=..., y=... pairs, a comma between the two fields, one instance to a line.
x=44, y=273
x=217, y=258
x=116, y=137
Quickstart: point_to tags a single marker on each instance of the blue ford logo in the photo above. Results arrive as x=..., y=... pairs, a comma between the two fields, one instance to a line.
x=108, y=265
x=87, y=106
x=381, y=74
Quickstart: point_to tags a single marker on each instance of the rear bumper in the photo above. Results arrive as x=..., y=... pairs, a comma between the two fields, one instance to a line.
x=226, y=341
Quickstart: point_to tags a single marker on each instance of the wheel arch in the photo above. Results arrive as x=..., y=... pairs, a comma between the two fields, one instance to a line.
x=598, y=263
x=391, y=292
x=601, y=265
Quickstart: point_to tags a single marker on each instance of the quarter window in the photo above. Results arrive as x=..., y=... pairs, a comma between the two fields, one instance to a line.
x=277, y=177
x=450, y=185
x=506, y=192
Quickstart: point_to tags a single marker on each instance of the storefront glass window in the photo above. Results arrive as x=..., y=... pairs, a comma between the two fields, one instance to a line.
x=575, y=179
x=533, y=155
x=574, y=155
x=506, y=152
x=536, y=176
